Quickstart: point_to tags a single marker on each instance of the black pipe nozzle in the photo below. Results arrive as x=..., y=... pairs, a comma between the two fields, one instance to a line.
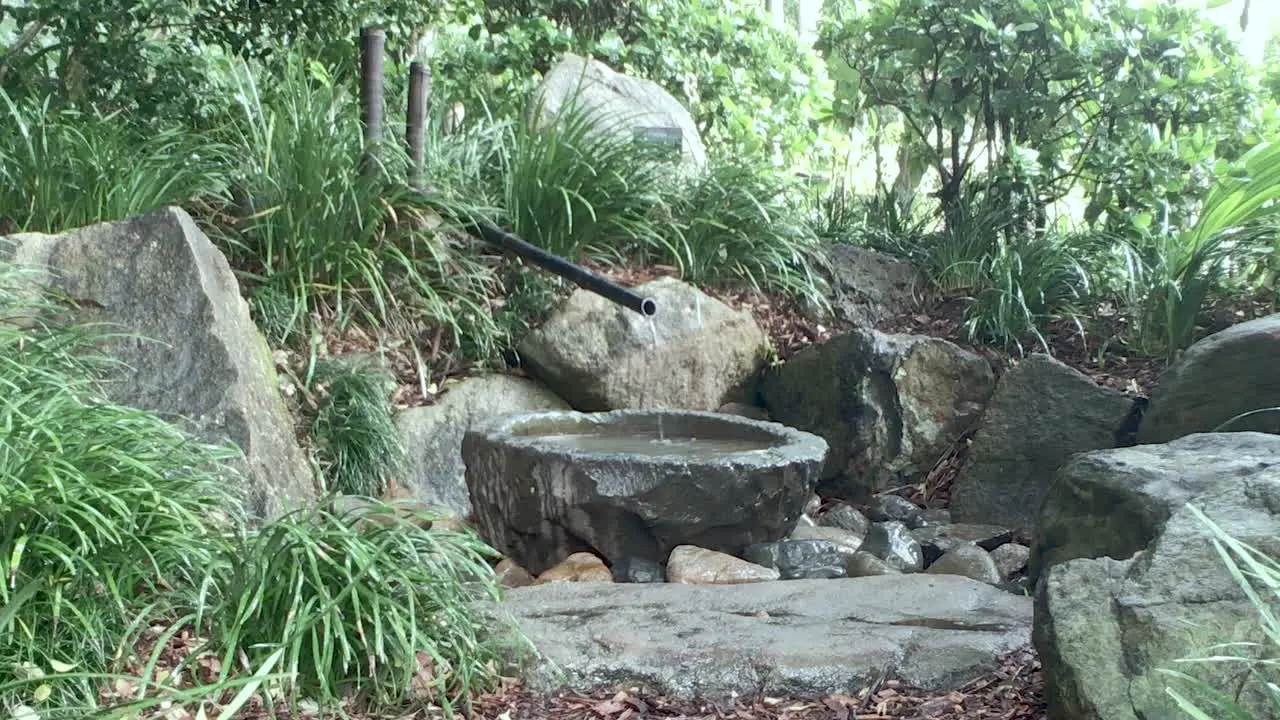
x=576, y=274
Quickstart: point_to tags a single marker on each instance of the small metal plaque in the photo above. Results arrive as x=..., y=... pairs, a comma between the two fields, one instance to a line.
x=670, y=140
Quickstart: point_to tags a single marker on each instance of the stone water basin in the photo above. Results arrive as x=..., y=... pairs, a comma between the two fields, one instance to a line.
x=633, y=484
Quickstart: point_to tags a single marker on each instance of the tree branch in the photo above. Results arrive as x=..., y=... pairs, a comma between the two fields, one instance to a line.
x=28, y=35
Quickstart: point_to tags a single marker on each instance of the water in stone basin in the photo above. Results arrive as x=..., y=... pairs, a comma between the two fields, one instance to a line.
x=651, y=445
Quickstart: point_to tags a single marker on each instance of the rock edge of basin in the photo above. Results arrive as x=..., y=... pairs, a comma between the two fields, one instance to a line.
x=798, y=445
x=537, y=501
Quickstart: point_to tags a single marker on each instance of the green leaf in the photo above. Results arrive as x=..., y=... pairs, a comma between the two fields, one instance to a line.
x=981, y=20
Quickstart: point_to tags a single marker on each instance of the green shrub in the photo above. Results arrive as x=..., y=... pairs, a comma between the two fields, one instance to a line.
x=112, y=517
x=1014, y=279
x=62, y=169
x=1238, y=224
x=364, y=602
x=353, y=427
x=737, y=223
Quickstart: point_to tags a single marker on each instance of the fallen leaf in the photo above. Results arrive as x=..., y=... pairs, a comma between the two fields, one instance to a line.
x=608, y=708
x=61, y=667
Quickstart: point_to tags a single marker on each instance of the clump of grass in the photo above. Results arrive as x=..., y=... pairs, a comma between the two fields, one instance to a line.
x=339, y=244
x=579, y=185
x=467, y=163
x=1024, y=285
x=353, y=428
x=112, y=517
x=1015, y=280
x=365, y=603
x=61, y=168
x=736, y=223
x=878, y=221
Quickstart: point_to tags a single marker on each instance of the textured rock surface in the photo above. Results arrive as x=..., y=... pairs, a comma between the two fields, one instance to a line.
x=937, y=540
x=512, y=575
x=1113, y=503
x=432, y=434
x=1010, y=559
x=1222, y=376
x=1105, y=626
x=846, y=541
x=637, y=570
x=698, y=566
x=694, y=354
x=889, y=405
x=799, y=559
x=869, y=287
x=864, y=564
x=1042, y=412
x=846, y=517
x=884, y=508
x=970, y=561
x=578, y=567
x=744, y=410
x=619, y=102
x=788, y=638
x=537, y=500
x=196, y=357
x=892, y=542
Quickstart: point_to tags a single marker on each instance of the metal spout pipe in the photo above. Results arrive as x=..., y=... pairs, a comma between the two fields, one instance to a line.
x=575, y=274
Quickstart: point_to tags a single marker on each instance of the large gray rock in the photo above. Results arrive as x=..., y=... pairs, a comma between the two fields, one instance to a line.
x=1106, y=627
x=695, y=354
x=635, y=484
x=196, y=358
x=619, y=102
x=432, y=434
x=869, y=287
x=1220, y=377
x=1042, y=413
x=889, y=405
x=784, y=638
x=1113, y=503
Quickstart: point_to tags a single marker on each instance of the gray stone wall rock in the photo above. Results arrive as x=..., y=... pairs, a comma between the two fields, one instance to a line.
x=193, y=354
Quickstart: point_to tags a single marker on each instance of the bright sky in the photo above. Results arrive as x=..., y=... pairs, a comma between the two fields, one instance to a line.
x=1264, y=21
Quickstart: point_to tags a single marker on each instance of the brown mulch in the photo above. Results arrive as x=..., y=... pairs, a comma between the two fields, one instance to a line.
x=1086, y=349
x=1012, y=691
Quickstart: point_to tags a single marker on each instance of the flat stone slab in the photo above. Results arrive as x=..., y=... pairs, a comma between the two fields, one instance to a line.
x=794, y=638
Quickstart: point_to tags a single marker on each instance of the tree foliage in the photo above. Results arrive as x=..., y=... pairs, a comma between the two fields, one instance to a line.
x=747, y=83
x=1126, y=103
x=159, y=59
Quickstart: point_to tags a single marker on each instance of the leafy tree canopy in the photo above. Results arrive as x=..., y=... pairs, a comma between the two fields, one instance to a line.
x=1120, y=100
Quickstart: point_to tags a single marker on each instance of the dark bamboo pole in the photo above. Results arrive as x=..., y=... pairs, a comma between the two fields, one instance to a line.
x=416, y=124
x=373, y=43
